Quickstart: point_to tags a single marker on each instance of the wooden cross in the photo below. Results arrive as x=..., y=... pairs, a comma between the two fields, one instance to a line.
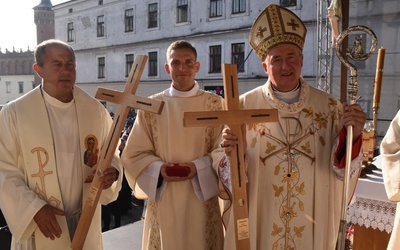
x=125, y=100
x=233, y=116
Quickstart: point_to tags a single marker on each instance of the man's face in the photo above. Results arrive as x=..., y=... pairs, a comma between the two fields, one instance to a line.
x=182, y=67
x=58, y=71
x=283, y=66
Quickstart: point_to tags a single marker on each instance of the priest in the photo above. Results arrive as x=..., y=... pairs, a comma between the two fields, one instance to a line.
x=45, y=137
x=295, y=166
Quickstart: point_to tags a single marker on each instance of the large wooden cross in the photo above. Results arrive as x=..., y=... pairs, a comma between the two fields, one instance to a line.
x=233, y=116
x=125, y=100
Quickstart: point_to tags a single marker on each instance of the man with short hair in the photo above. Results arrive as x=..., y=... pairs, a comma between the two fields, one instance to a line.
x=170, y=164
x=44, y=173
x=295, y=165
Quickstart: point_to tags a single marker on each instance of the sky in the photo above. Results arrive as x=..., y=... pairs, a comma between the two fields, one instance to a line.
x=17, y=27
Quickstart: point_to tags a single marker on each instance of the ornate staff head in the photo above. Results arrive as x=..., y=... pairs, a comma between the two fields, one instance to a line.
x=356, y=53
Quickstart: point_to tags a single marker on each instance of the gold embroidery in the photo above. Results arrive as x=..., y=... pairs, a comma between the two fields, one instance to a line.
x=288, y=213
x=300, y=189
x=213, y=103
x=213, y=220
x=276, y=230
x=260, y=32
x=41, y=174
x=270, y=148
x=289, y=152
x=306, y=147
x=299, y=231
x=154, y=237
x=293, y=24
x=321, y=120
x=278, y=190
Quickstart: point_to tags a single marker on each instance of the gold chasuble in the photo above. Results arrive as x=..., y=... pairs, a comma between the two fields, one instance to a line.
x=290, y=172
x=38, y=164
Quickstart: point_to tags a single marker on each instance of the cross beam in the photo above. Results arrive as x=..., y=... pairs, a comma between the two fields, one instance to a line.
x=125, y=100
x=233, y=116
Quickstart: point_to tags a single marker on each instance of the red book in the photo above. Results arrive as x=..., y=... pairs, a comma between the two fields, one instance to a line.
x=177, y=170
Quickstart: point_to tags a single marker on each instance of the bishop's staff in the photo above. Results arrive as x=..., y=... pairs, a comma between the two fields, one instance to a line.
x=355, y=53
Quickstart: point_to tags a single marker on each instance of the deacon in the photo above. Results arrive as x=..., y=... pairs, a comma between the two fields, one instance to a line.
x=170, y=165
x=295, y=166
x=45, y=137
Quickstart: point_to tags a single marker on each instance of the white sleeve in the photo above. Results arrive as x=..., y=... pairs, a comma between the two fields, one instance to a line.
x=205, y=183
x=390, y=153
x=148, y=180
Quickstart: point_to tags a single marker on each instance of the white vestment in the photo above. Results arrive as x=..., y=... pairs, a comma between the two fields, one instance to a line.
x=390, y=152
x=29, y=173
x=294, y=193
x=180, y=215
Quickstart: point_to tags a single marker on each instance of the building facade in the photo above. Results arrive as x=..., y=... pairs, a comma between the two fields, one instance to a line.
x=108, y=34
x=44, y=20
x=16, y=74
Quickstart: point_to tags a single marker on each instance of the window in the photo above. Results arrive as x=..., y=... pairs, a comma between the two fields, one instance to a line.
x=152, y=64
x=21, y=87
x=129, y=20
x=182, y=11
x=19, y=67
x=288, y=3
x=238, y=56
x=100, y=26
x=70, y=28
x=215, y=8
x=238, y=6
x=101, y=73
x=70, y=10
x=153, y=16
x=128, y=64
x=8, y=87
x=100, y=2
x=215, y=59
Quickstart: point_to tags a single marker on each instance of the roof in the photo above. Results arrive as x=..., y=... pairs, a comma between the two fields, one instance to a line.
x=44, y=4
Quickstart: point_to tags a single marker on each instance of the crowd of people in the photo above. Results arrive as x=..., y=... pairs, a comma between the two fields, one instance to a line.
x=295, y=166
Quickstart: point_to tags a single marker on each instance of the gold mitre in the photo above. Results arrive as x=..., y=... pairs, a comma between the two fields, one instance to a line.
x=276, y=26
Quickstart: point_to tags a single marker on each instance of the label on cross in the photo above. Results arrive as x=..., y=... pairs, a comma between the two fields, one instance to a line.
x=233, y=116
x=125, y=100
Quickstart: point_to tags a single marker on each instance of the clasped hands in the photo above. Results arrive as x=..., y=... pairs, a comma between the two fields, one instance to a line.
x=178, y=172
